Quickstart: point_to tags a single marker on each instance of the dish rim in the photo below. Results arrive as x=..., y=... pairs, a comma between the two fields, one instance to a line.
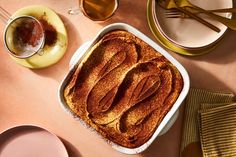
x=30, y=126
x=134, y=31
x=210, y=44
x=169, y=45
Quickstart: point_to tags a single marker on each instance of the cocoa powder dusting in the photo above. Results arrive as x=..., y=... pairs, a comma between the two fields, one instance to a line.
x=50, y=32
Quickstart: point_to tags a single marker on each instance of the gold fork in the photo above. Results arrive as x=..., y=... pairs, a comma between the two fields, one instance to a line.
x=174, y=13
x=227, y=22
x=170, y=4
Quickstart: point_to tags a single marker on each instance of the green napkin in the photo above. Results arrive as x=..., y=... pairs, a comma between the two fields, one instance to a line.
x=217, y=128
x=190, y=144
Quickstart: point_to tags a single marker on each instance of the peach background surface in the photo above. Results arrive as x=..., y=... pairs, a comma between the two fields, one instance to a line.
x=30, y=96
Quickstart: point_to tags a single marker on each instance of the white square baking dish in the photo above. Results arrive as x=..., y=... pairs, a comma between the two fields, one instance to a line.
x=170, y=117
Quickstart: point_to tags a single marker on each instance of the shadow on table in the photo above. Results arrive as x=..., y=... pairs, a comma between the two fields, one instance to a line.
x=169, y=143
x=72, y=151
x=200, y=78
x=224, y=53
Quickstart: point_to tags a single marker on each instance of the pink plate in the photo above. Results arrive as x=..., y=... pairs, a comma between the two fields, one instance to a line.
x=30, y=141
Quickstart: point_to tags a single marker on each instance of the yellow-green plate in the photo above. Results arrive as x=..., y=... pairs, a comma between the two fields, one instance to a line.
x=51, y=54
x=168, y=44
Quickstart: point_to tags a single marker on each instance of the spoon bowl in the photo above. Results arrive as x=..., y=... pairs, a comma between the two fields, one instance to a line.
x=227, y=22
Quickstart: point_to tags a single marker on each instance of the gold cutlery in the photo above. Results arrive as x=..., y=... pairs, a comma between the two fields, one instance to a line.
x=174, y=13
x=227, y=22
x=170, y=4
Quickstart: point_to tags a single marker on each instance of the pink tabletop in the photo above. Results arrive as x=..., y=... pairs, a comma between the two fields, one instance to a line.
x=30, y=96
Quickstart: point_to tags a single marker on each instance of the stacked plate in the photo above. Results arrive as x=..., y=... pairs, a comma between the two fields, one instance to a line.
x=185, y=35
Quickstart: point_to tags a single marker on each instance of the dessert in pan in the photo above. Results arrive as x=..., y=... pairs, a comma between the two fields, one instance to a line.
x=123, y=88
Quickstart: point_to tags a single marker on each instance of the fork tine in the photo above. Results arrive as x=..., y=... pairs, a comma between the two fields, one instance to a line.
x=171, y=13
x=174, y=13
x=173, y=16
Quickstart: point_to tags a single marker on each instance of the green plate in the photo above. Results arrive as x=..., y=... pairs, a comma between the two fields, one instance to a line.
x=51, y=54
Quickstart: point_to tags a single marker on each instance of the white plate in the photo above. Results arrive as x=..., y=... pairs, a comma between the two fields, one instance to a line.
x=189, y=33
x=30, y=141
x=78, y=58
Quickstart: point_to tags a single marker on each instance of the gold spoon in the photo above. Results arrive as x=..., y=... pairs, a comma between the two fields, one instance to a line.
x=194, y=11
x=227, y=22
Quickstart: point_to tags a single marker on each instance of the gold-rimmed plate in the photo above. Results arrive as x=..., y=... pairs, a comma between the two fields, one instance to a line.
x=167, y=43
x=53, y=53
x=189, y=33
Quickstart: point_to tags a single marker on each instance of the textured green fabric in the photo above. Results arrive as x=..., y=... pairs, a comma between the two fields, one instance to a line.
x=194, y=102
